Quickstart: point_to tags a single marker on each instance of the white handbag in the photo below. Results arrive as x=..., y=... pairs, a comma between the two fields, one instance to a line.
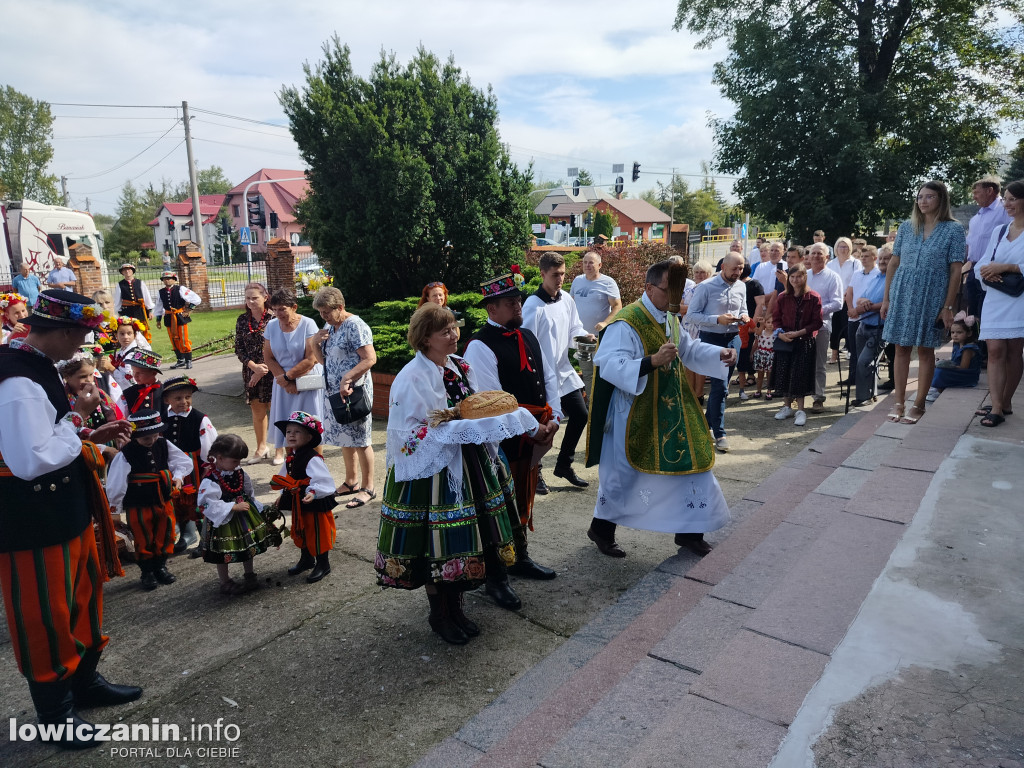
x=309, y=382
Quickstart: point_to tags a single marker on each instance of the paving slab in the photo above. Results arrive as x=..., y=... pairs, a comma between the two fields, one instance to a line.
x=844, y=482
x=705, y=734
x=761, y=676
x=868, y=422
x=894, y=429
x=892, y=494
x=610, y=732
x=939, y=440
x=912, y=458
x=816, y=511
x=816, y=600
x=684, y=561
x=451, y=753
x=754, y=578
x=870, y=454
x=696, y=640
x=836, y=452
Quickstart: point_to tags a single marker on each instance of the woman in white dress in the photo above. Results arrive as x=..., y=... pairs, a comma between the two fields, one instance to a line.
x=1002, y=318
x=287, y=355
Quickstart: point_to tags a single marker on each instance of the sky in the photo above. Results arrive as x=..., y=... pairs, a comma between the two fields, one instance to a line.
x=578, y=84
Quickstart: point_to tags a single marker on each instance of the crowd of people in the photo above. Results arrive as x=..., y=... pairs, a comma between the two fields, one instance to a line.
x=117, y=464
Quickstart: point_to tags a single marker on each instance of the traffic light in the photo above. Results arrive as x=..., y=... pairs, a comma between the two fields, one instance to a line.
x=225, y=227
x=255, y=207
x=590, y=219
x=576, y=187
x=636, y=171
x=618, y=185
x=273, y=220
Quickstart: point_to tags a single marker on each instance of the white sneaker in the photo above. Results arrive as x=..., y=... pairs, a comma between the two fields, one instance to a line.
x=932, y=396
x=784, y=413
x=801, y=418
x=744, y=396
x=722, y=444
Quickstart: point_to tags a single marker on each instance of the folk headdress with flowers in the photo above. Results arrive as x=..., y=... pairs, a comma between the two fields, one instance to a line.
x=125, y=320
x=6, y=299
x=50, y=307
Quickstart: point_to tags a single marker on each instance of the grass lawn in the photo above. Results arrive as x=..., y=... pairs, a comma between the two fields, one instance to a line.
x=205, y=327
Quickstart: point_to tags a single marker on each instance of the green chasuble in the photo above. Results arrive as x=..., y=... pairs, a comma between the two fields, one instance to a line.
x=667, y=433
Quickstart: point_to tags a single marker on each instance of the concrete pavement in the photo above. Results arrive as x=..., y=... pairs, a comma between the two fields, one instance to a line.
x=868, y=611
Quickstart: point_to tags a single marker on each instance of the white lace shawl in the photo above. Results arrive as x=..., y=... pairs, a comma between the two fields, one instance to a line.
x=417, y=450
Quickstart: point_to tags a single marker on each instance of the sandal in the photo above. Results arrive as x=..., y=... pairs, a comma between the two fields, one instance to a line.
x=992, y=420
x=896, y=414
x=985, y=410
x=350, y=489
x=757, y=395
x=232, y=587
x=913, y=419
x=768, y=395
x=355, y=503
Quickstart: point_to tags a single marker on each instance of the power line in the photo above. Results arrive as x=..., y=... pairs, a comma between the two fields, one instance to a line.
x=238, y=128
x=247, y=146
x=105, y=117
x=154, y=165
x=107, y=136
x=113, y=106
x=236, y=117
x=122, y=165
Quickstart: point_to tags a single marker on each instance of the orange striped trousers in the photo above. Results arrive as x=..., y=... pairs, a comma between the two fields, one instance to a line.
x=313, y=531
x=177, y=332
x=53, y=598
x=152, y=529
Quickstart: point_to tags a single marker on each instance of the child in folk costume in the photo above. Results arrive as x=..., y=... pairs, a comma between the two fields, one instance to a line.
x=236, y=527
x=128, y=333
x=307, y=491
x=192, y=432
x=78, y=373
x=146, y=392
x=141, y=479
x=131, y=298
x=173, y=308
x=13, y=309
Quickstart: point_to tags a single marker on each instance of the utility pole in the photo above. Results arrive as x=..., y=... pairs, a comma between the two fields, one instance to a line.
x=673, y=214
x=64, y=190
x=87, y=208
x=197, y=216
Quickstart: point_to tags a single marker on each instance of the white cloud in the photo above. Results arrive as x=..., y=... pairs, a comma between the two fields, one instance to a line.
x=576, y=81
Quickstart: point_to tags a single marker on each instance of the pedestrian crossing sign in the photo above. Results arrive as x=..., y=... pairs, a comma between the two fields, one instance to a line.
x=244, y=236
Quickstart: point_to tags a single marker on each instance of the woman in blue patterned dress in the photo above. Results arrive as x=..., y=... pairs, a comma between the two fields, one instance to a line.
x=920, y=288
x=345, y=347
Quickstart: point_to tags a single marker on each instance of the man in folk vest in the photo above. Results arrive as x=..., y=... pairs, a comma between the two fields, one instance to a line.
x=174, y=309
x=506, y=357
x=51, y=570
x=132, y=298
x=647, y=429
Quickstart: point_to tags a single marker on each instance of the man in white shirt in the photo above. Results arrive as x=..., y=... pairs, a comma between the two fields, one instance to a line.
x=845, y=265
x=852, y=294
x=551, y=314
x=765, y=272
x=829, y=286
x=979, y=230
x=718, y=306
x=61, y=277
x=597, y=300
x=819, y=237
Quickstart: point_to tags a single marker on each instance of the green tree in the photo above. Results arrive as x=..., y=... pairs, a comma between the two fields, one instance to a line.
x=843, y=106
x=1016, y=169
x=26, y=130
x=604, y=224
x=212, y=181
x=408, y=180
x=132, y=228
x=585, y=179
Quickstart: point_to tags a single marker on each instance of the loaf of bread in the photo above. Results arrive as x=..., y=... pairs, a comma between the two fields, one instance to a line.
x=480, y=405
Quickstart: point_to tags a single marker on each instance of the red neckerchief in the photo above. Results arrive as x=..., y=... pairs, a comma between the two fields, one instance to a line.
x=524, y=363
x=144, y=393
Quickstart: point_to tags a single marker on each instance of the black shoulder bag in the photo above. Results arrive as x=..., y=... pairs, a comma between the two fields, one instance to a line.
x=346, y=409
x=1010, y=283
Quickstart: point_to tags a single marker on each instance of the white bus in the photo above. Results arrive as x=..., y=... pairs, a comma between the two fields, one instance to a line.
x=36, y=233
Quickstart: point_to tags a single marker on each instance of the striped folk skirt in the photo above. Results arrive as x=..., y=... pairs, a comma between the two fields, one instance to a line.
x=428, y=537
x=241, y=538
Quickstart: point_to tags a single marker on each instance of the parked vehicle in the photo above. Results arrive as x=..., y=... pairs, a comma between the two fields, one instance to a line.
x=545, y=241
x=36, y=233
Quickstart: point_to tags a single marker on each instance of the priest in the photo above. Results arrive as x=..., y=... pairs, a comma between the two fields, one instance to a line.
x=647, y=430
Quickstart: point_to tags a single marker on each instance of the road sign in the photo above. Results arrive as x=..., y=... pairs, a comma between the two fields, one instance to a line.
x=243, y=236
x=618, y=167
x=708, y=225
x=743, y=231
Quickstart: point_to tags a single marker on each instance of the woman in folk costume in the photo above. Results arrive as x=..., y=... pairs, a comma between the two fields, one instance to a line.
x=142, y=479
x=307, y=491
x=448, y=498
x=174, y=308
x=52, y=562
x=127, y=333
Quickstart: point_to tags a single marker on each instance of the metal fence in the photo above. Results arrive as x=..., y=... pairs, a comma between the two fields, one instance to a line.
x=226, y=283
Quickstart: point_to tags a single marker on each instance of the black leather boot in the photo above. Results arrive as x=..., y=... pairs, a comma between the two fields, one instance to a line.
x=180, y=362
x=54, y=706
x=148, y=578
x=441, y=621
x=322, y=568
x=188, y=361
x=503, y=594
x=524, y=566
x=161, y=574
x=456, y=600
x=306, y=562
x=91, y=689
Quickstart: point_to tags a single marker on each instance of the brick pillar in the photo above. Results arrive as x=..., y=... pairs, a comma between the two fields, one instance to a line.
x=87, y=268
x=192, y=271
x=280, y=265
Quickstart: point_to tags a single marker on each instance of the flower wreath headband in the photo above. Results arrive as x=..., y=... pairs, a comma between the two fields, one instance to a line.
x=125, y=320
x=6, y=299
